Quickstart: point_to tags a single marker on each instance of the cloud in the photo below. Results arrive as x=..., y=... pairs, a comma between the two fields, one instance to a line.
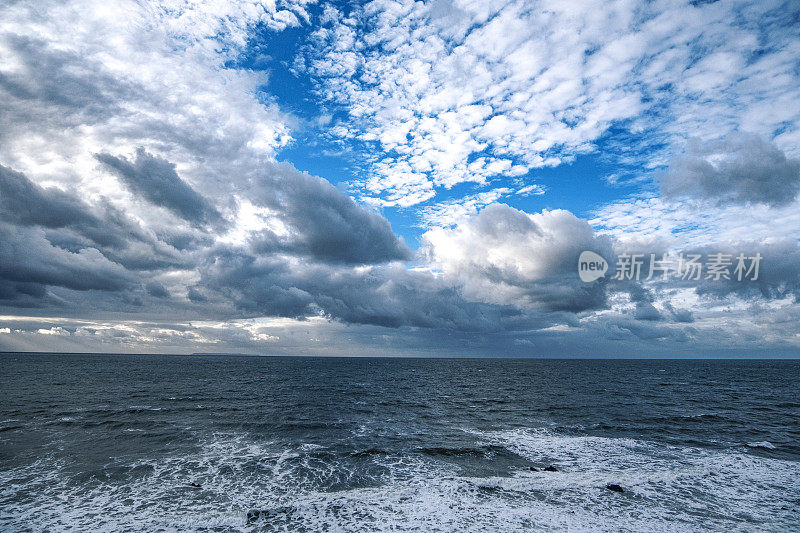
x=25, y=203
x=76, y=241
x=320, y=222
x=195, y=295
x=151, y=76
x=778, y=274
x=29, y=263
x=455, y=92
x=502, y=255
x=739, y=168
x=156, y=290
x=204, y=223
x=160, y=89
x=155, y=179
x=680, y=223
x=451, y=212
x=388, y=295
x=72, y=224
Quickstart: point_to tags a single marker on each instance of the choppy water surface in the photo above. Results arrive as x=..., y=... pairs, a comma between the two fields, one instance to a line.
x=166, y=443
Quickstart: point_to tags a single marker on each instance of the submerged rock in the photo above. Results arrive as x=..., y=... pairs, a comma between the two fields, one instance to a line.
x=266, y=514
x=614, y=487
x=550, y=468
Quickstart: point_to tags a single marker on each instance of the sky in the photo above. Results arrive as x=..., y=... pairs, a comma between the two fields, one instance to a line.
x=397, y=178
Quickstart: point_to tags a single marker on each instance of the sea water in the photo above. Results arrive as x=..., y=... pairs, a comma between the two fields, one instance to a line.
x=236, y=443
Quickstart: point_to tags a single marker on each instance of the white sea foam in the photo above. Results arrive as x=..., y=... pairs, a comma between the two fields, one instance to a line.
x=666, y=489
x=763, y=444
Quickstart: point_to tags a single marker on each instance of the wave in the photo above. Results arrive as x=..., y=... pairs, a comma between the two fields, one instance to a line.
x=763, y=444
x=231, y=475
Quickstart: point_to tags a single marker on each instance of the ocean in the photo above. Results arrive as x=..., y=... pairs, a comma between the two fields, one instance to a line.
x=238, y=443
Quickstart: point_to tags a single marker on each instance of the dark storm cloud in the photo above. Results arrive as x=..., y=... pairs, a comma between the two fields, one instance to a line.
x=647, y=311
x=778, y=276
x=22, y=294
x=79, y=248
x=315, y=269
x=740, y=168
x=50, y=238
x=156, y=290
x=54, y=242
x=679, y=315
x=388, y=295
x=396, y=297
x=563, y=293
x=156, y=180
x=391, y=295
x=196, y=296
x=29, y=263
x=25, y=203
x=73, y=225
x=325, y=225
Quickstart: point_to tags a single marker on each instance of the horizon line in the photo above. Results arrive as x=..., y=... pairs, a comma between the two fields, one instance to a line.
x=514, y=357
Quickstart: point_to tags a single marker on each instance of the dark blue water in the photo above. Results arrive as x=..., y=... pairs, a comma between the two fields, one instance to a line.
x=174, y=443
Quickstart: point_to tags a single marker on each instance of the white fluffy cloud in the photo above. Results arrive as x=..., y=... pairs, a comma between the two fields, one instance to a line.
x=456, y=210
x=84, y=77
x=502, y=255
x=462, y=91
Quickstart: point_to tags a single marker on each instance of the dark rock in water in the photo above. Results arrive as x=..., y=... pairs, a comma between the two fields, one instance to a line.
x=550, y=468
x=614, y=487
x=266, y=514
x=368, y=453
x=533, y=469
